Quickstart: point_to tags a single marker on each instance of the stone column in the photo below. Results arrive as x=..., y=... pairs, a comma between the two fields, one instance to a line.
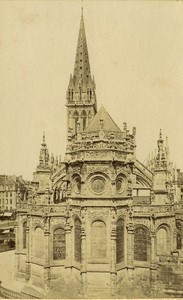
x=83, y=262
x=46, y=253
x=152, y=242
x=153, y=248
x=153, y=260
x=113, y=262
x=69, y=245
x=130, y=249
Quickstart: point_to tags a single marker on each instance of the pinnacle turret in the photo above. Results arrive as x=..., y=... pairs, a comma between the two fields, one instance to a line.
x=44, y=154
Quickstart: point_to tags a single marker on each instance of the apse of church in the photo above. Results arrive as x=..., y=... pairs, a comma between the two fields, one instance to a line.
x=99, y=221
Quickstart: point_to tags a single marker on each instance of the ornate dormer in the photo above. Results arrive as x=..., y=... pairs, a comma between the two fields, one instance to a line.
x=81, y=97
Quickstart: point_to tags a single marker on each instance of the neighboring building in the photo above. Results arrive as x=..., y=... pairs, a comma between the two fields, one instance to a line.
x=100, y=223
x=11, y=187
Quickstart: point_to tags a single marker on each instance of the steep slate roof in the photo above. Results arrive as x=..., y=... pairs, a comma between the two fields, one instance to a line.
x=108, y=123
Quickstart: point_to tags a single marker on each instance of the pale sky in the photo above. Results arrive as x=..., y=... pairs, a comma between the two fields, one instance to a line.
x=136, y=55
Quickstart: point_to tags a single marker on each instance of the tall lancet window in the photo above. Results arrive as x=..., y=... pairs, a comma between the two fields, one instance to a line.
x=141, y=244
x=179, y=234
x=98, y=240
x=77, y=239
x=120, y=241
x=38, y=243
x=76, y=118
x=161, y=241
x=59, y=247
x=24, y=244
x=83, y=116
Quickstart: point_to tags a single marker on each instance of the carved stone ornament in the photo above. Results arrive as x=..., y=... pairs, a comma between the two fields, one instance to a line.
x=98, y=184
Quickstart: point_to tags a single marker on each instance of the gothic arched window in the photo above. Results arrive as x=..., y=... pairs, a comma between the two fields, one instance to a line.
x=24, y=235
x=141, y=244
x=77, y=239
x=56, y=195
x=98, y=240
x=59, y=247
x=38, y=243
x=83, y=116
x=161, y=241
x=120, y=241
x=179, y=234
x=76, y=118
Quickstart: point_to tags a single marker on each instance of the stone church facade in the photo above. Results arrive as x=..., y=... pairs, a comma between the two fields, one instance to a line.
x=100, y=223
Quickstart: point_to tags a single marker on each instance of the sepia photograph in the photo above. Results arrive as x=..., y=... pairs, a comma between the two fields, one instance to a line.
x=91, y=152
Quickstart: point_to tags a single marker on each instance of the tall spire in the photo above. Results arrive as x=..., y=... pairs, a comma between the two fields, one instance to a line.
x=82, y=64
x=81, y=97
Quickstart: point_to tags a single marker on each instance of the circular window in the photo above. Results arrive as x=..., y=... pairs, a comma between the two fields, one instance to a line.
x=98, y=184
x=119, y=184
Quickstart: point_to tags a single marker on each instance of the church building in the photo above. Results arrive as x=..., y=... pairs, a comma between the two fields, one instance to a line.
x=100, y=224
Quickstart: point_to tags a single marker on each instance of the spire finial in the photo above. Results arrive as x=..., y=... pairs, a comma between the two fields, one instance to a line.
x=43, y=138
x=81, y=7
x=160, y=134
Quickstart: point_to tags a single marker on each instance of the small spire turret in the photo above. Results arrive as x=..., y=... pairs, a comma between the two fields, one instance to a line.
x=44, y=154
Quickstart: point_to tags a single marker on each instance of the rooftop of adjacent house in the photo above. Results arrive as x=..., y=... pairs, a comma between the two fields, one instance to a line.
x=102, y=121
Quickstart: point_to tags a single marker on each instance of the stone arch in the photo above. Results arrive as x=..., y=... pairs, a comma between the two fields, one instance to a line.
x=77, y=239
x=142, y=181
x=162, y=237
x=120, y=240
x=141, y=243
x=59, y=243
x=98, y=239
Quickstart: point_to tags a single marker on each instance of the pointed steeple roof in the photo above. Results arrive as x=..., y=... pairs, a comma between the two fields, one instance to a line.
x=82, y=64
x=44, y=154
x=102, y=120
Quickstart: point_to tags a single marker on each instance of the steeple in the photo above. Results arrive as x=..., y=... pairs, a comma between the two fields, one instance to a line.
x=82, y=65
x=81, y=97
